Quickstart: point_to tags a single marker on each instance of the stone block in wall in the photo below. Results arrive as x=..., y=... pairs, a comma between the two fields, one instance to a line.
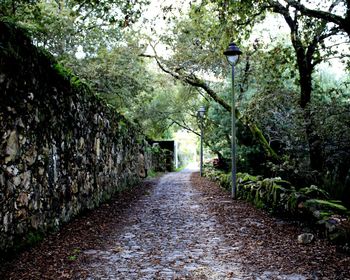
x=62, y=149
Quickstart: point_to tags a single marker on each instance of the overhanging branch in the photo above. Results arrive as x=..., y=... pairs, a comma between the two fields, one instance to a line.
x=323, y=15
x=193, y=81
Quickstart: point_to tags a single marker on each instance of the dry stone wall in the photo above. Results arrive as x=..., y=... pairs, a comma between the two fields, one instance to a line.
x=62, y=149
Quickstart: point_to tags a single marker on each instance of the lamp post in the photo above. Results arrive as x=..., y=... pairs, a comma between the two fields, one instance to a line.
x=201, y=113
x=232, y=54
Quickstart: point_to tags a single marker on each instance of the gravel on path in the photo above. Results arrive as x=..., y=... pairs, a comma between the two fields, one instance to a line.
x=172, y=236
x=180, y=227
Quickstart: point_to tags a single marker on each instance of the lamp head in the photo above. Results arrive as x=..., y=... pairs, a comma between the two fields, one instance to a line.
x=201, y=111
x=232, y=53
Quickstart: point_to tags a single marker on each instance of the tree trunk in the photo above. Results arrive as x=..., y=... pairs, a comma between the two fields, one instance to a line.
x=305, y=61
x=304, y=56
x=347, y=18
x=314, y=141
x=258, y=135
x=13, y=7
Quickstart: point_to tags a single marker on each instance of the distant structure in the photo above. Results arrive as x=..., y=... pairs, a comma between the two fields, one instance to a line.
x=172, y=157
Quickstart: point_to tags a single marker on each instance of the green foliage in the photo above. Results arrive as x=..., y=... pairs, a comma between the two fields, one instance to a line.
x=161, y=160
x=198, y=40
x=243, y=178
x=153, y=174
x=171, y=106
x=225, y=181
x=74, y=254
x=217, y=129
x=118, y=75
x=63, y=71
x=330, y=117
x=64, y=26
x=72, y=258
x=114, y=61
x=180, y=168
x=277, y=195
x=319, y=204
x=30, y=239
x=34, y=237
x=314, y=192
x=74, y=81
x=280, y=197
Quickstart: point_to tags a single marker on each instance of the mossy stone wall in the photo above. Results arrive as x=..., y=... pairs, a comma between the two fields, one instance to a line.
x=62, y=149
x=311, y=205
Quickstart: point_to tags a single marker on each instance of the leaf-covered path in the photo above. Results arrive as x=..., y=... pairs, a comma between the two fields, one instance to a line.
x=184, y=227
x=172, y=236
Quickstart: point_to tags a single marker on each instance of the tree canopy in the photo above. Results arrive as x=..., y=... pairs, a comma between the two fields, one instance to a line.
x=292, y=105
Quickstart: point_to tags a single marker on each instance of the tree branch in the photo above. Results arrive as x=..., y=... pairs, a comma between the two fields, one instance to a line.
x=323, y=15
x=184, y=126
x=193, y=81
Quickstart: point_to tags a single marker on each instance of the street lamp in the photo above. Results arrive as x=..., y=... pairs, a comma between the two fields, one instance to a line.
x=232, y=54
x=201, y=113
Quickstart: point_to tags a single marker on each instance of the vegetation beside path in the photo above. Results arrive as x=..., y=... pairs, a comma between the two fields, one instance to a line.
x=311, y=205
x=268, y=244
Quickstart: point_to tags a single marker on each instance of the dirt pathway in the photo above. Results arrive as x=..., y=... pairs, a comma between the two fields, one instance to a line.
x=172, y=235
x=181, y=227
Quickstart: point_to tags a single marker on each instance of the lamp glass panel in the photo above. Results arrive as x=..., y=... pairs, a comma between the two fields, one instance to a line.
x=232, y=59
x=201, y=111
